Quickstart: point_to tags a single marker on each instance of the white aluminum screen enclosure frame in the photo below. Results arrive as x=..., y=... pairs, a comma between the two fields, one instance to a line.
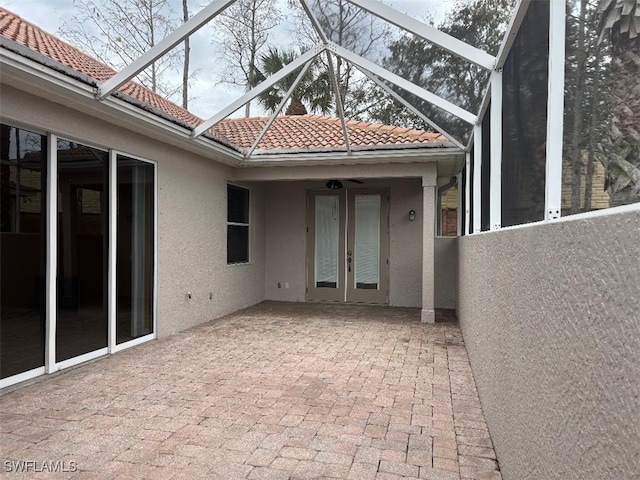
x=334, y=82
x=495, y=113
x=476, y=176
x=555, y=118
x=467, y=193
x=555, y=110
x=427, y=32
x=451, y=44
x=279, y=108
x=384, y=78
x=174, y=38
x=413, y=109
x=258, y=89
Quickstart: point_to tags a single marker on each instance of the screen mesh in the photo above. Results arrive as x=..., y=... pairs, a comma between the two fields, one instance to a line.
x=524, y=127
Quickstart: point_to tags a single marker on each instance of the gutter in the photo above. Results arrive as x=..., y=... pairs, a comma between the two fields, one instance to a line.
x=53, y=72
x=26, y=61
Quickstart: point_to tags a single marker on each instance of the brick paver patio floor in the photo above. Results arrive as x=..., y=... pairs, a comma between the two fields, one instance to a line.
x=276, y=391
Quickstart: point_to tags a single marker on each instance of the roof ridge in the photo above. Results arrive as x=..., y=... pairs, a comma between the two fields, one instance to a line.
x=245, y=119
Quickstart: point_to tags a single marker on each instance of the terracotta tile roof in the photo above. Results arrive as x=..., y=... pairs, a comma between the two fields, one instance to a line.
x=22, y=32
x=300, y=132
x=305, y=132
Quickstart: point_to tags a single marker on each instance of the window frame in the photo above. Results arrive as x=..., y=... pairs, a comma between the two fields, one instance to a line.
x=51, y=365
x=246, y=225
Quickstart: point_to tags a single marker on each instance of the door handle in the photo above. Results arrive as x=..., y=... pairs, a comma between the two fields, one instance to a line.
x=349, y=260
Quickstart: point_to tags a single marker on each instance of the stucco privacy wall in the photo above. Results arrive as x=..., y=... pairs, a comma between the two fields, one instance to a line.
x=550, y=315
x=286, y=241
x=191, y=214
x=446, y=268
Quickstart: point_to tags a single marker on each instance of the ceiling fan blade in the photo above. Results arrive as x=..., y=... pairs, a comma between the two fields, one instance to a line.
x=355, y=180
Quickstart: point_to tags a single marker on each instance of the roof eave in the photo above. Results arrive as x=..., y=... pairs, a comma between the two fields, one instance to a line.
x=369, y=156
x=23, y=65
x=17, y=61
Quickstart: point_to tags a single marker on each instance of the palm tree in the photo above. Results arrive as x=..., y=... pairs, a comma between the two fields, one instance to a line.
x=620, y=153
x=312, y=93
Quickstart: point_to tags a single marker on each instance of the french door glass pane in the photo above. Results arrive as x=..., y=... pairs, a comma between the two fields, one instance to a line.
x=135, y=249
x=22, y=249
x=327, y=228
x=367, y=242
x=82, y=250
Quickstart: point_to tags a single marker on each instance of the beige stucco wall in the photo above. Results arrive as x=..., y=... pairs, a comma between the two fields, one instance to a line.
x=550, y=315
x=446, y=272
x=191, y=214
x=286, y=242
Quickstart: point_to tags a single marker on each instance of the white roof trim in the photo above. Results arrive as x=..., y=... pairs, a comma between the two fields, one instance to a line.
x=61, y=77
x=305, y=157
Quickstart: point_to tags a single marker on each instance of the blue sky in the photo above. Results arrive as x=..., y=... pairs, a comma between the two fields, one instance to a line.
x=208, y=94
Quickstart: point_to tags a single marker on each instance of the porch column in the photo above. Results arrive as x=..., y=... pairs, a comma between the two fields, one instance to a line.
x=428, y=234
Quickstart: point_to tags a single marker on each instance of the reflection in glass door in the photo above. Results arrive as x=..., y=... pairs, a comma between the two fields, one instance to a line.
x=135, y=249
x=82, y=250
x=54, y=289
x=22, y=250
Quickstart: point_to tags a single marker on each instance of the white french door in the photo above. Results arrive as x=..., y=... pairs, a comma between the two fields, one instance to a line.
x=348, y=246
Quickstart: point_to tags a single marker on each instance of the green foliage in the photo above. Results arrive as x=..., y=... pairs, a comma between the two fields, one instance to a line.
x=620, y=161
x=620, y=152
x=314, y=89
x=480, y=23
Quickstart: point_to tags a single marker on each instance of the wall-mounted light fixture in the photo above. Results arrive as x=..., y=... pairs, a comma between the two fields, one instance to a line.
x=412, y=215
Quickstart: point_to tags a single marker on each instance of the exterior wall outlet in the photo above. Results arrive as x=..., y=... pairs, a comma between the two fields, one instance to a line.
x=286, y=285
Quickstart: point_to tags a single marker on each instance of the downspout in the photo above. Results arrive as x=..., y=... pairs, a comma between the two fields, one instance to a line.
x=452, y=182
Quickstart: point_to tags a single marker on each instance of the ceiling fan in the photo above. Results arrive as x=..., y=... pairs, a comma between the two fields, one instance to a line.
x=337, y=184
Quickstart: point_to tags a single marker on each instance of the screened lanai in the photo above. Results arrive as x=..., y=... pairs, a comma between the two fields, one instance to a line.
x=328, y=171
x=507, y=98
